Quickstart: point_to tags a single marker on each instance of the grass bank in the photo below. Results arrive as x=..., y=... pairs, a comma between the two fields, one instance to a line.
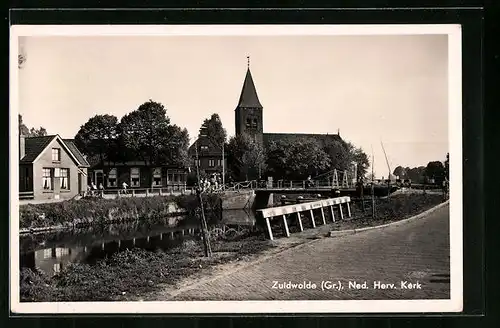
x=133, y=273
x=82, y=212
x=391, y=209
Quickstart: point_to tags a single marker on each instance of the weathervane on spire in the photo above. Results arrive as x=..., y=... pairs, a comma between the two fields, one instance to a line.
x=248, y=61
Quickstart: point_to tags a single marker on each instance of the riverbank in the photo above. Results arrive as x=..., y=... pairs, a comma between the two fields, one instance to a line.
x=138, y=274
x=95, y=211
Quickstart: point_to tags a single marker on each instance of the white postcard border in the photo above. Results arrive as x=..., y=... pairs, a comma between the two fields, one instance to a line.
x=454, y=304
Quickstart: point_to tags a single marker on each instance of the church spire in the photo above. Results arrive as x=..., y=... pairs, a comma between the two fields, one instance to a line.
x=248, y=97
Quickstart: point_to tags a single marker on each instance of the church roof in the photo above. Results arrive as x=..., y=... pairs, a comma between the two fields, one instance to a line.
x=248, y=97
x=268, y=137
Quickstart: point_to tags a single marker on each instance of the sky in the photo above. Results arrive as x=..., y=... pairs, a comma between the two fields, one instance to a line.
x=372, y=89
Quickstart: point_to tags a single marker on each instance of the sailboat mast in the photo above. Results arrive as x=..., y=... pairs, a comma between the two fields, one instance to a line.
x=386, y=160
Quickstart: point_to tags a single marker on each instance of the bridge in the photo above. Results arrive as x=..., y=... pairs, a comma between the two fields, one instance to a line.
x=334, y=179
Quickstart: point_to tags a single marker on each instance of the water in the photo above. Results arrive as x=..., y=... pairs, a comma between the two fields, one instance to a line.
x=52, y=252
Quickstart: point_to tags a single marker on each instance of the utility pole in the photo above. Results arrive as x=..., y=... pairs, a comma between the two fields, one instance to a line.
x=204, y=227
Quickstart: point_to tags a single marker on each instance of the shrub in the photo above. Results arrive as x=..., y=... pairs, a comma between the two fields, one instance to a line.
x=101, y=211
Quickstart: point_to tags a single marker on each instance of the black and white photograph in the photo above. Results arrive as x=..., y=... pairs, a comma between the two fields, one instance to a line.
x=186, y=169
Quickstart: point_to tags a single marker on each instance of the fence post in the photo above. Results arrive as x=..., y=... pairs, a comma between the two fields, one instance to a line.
x=133, y=192
x=291, y=185
x=147, y=192
x=303, y=184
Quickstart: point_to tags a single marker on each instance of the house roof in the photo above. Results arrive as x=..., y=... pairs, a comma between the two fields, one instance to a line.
x=268, y=137
x=248, y=97
x=79, y=156
x=34, y=146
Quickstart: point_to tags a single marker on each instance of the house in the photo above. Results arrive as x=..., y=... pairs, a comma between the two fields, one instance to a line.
x=136, y=174
x=208, y=154
x=50, y=168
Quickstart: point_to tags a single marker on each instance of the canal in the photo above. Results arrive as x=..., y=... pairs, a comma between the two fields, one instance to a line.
x=51, y=252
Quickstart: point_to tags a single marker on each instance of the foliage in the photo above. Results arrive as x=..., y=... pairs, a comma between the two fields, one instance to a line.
x=97, y=138
x=447, y=166
x=214, y=131
x=145, y=131
x=297, y=159
x=339, y=153
x=246, y=157
x=27, y=132
x=435, y=170
x=359, y=157
x=102, y=211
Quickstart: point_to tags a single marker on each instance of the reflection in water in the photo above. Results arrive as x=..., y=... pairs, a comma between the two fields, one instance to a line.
x=52, y=252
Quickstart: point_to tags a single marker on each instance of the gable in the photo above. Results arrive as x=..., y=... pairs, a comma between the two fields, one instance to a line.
x=67, y=158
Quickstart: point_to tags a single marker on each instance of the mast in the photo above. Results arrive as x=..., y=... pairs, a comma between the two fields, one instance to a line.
x=389, y=168
x=373, y=193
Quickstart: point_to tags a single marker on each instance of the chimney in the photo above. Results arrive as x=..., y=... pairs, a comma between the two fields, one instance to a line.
x=22, y=145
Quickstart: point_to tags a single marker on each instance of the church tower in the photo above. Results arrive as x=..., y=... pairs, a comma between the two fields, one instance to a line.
x=248, y=113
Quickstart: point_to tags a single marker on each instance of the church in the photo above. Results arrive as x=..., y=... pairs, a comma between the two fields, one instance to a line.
x=249, y=119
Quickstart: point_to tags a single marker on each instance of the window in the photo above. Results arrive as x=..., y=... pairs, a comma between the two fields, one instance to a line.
x=47, y=253
x=219, y=162
x=57, y=267
x=248, y=123
x=62, y=252
x=204, y=147
x=157, y=176
x=254, y=123
x=112, y=177
x=56, y=154
x=47, y=178
x=64, y=179
x=134, y=177
x=211, y=162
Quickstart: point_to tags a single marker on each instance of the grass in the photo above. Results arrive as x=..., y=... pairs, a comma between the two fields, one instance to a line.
x=133, y=272
x=390, y=209
x=102, y=211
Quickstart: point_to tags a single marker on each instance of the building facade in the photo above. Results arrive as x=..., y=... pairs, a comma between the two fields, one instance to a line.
x=137, y=175
x=51, y=168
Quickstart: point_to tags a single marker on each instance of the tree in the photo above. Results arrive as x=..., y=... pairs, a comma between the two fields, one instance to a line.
x=435, y=170
x=297, y=159
x=339, y=153
x=175, y=149
x=246, y=157
x=214, y=131
x=97, y=138
x=400, y=172
x=27, y=132
x=145, y=131
x=362, y=162
x=447, y=166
